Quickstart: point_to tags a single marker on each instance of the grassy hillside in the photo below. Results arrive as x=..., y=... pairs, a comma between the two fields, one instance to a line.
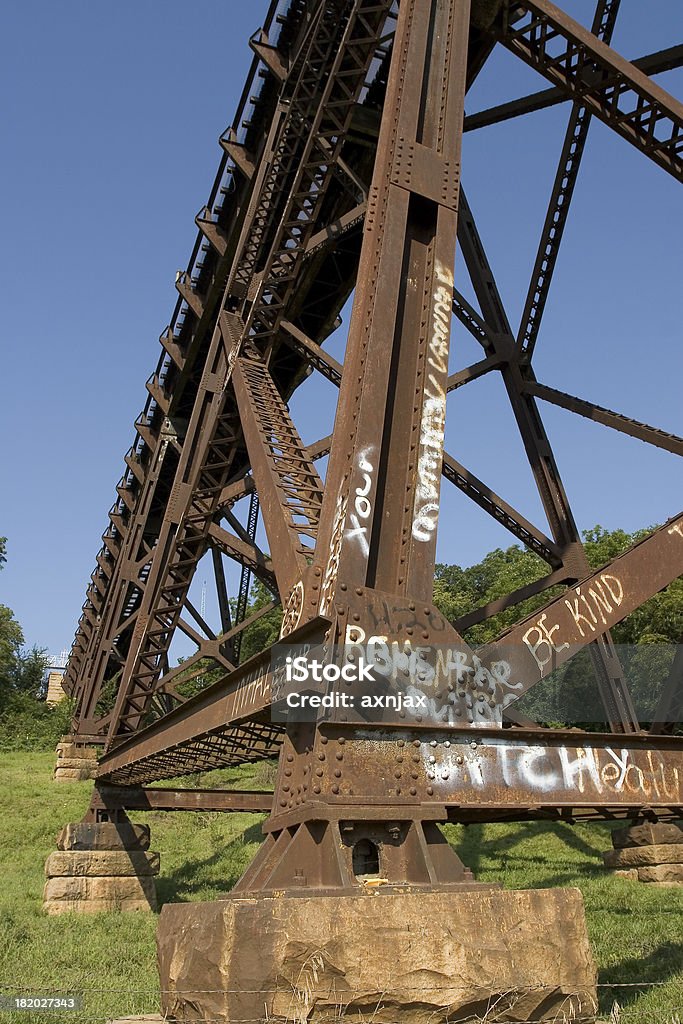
x=636, y=931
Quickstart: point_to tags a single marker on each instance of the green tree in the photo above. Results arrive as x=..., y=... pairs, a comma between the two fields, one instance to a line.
x=26, y=722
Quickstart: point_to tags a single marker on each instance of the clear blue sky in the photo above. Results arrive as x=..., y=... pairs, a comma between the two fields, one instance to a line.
x=109, y=148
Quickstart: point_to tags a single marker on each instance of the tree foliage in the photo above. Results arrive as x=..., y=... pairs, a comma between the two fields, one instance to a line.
x=26, y=722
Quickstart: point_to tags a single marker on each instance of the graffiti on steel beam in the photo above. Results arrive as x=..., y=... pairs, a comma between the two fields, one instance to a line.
x=433, y=422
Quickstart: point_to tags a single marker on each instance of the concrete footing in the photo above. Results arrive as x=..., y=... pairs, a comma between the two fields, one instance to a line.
x=647, y=852
x=101, y=866
x=422, y=957
x=74, y=762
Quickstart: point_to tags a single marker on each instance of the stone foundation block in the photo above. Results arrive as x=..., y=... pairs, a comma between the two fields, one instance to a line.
x=75, y=763
x=640, y=856
x=415, y=958
x=101, y=863
x=116, y=888
x=661, y=873
x=101, y=866
x=630, y=873
x=68, y=749
x=75, y=774
x=103, y=836
x=96, y=906
x=647, y=834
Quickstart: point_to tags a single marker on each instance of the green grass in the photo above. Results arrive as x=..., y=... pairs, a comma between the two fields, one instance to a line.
x=636, y=930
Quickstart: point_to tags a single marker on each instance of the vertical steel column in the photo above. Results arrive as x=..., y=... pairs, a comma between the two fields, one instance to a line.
x=379, y=518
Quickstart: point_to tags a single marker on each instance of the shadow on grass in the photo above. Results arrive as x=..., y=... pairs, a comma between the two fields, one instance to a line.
x=475, y=849
x=193, y=876
x=660, y=966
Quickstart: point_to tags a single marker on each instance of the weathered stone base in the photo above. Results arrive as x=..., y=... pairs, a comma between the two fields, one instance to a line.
x=100, y=867
x=75, y=763
x=648, y=852
x=419, y=958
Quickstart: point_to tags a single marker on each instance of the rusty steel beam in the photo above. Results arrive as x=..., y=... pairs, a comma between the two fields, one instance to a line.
x=399, y=336
x=142, y=798
x=651, y=64
x=477, y=775
x=554, y=633
x=620, y=95
x=289, y=488
x=220, y=711
x=560, y=199
x=614, y=691
x=615, y=420
x=505, y=514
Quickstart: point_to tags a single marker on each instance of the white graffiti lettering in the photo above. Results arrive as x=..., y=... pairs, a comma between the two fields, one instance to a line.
x=362, y=504
x=433, y=419
x=539, y=640
x=586, y=614
x=589, y=771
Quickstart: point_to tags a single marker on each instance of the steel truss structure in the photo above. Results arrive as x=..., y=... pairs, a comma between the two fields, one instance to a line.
x=341, y=170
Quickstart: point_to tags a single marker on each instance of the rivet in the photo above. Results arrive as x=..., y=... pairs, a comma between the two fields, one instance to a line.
x=339, y=756
x=425, y=635
x=337, y=773
x=444, y=775
x=459, y=759
x=430, y=790
x=359, y=591
x=432, y=743
x=397, y=775
x=341, y=740
x=319, y=772
x=356, y=617
x=288, y=772
x=323, y=739
x=413, y=791
x=413, y=775
x=416, y=743
x=342, y=586
x=285, y=789
x=290, y=757
x=321, y=757
x=316, y=789
x=401, y=743
x=283, y=803
x=432, y=759
x=335, y=789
